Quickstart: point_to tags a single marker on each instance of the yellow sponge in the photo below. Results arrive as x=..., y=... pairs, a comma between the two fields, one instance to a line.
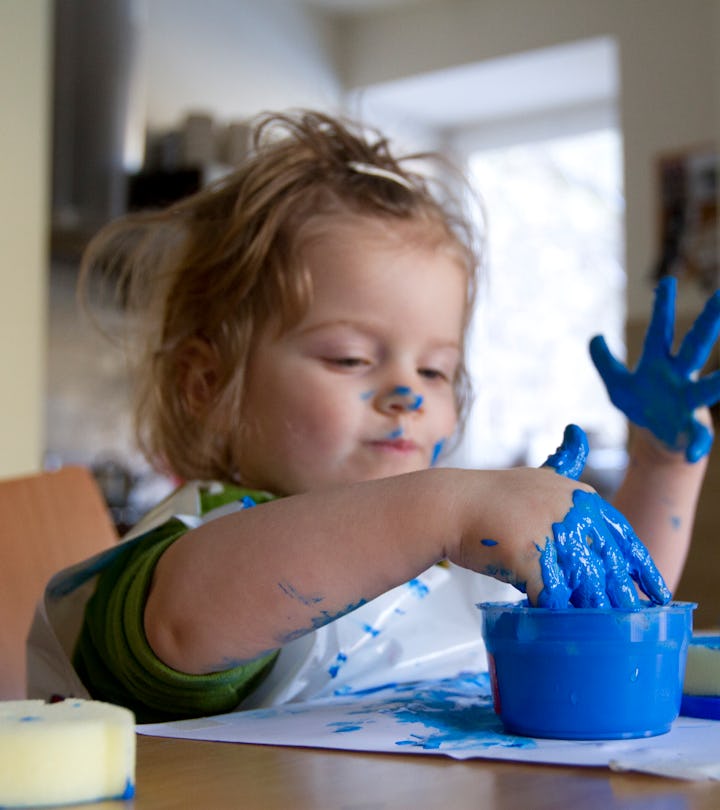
x=59, y=753
x=702, y=671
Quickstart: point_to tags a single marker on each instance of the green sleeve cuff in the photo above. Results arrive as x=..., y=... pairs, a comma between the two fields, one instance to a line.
x=116, y=663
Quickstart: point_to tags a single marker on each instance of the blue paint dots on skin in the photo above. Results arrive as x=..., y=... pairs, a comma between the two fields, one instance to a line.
x=488, y=542
x=412, y=401
x=675, y=522
x=367, y=395
x=437, y=449
x=419, y=589
x=395, y=434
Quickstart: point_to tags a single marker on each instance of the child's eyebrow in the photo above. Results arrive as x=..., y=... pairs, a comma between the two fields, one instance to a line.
x=369, y=331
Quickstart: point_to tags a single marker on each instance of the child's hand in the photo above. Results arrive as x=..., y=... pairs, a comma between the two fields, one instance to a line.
x=663, y=393
x=589, y=558
x=594, y=555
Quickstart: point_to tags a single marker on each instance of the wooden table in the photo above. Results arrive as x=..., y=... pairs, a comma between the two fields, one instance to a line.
x=177, y=774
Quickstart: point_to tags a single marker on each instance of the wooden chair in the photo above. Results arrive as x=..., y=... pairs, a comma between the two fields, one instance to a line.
x=47, y=522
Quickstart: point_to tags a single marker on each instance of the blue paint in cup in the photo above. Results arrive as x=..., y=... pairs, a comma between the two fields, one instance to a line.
x=587, y=673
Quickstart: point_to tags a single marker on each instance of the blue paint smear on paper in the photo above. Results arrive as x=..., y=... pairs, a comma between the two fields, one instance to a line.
x=340, y=659
x=442, y=714
x=419, y=589
x=370, y=630
x=455, y=713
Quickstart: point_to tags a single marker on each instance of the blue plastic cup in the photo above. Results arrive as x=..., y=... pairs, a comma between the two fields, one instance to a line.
x=587, y=673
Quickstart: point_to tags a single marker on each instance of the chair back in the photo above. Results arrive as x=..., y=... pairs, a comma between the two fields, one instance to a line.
x=48, y=521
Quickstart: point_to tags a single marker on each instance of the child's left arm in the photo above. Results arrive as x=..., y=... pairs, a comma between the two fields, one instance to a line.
x=668, y=405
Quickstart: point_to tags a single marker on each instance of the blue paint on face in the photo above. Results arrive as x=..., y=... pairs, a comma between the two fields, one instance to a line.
x=437, y=449
x=411, y=400
x=593, y=559
x=419, y=589
x=395, y=434
x=366, y=395
x=488, y=542
x=663, y=392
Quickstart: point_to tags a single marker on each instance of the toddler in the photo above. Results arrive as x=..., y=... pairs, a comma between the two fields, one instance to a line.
x=301, y=371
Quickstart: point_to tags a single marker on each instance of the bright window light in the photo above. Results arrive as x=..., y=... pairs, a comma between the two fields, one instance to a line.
x=555, y=277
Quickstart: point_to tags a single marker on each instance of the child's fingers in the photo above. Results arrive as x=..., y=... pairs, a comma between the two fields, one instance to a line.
x=705, y=391
x=569, y=459
x=698, y=342
x=659, y=336
x=700, y=443
x=611, y=370
x=641, y=566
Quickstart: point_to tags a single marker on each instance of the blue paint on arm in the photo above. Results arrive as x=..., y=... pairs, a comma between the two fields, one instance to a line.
x=488, y=542
x=290, y=591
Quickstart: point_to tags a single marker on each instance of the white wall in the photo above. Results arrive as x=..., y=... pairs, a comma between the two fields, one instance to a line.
x=24, y=136
x=670, y=82
x=235, y=58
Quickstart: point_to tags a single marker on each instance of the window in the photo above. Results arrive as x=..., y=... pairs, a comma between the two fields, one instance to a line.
x=555, y=278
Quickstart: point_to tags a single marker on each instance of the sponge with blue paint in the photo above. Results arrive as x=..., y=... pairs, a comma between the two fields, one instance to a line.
x=701, y=687
x=65, y=752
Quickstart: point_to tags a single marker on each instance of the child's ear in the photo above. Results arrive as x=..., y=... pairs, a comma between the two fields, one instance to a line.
x=197, y=374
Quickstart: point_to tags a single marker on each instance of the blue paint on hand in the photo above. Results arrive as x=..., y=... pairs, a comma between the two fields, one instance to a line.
x=488, y=542
x=663, y=392
x=593, y=559
x=569, y=459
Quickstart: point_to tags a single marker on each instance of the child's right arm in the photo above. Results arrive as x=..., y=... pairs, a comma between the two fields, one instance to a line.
x=250, y=582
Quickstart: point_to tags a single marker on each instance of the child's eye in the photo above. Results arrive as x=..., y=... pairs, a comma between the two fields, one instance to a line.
x=348, y=362
x=432, y=374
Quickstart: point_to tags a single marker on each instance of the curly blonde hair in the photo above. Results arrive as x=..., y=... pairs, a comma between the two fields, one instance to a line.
x=217, y=267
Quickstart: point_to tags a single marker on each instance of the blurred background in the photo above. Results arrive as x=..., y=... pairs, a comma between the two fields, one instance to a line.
x=568, y=115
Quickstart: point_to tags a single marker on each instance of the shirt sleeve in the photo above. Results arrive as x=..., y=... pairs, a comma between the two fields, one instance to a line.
x=116, y=663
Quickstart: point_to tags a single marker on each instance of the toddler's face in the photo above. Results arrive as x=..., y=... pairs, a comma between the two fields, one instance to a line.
x=362, y=387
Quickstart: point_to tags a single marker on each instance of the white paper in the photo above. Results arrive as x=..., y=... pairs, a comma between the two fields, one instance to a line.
x=453, y=717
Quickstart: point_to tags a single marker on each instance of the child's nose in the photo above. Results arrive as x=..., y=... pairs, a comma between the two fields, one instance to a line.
x=400, y=399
